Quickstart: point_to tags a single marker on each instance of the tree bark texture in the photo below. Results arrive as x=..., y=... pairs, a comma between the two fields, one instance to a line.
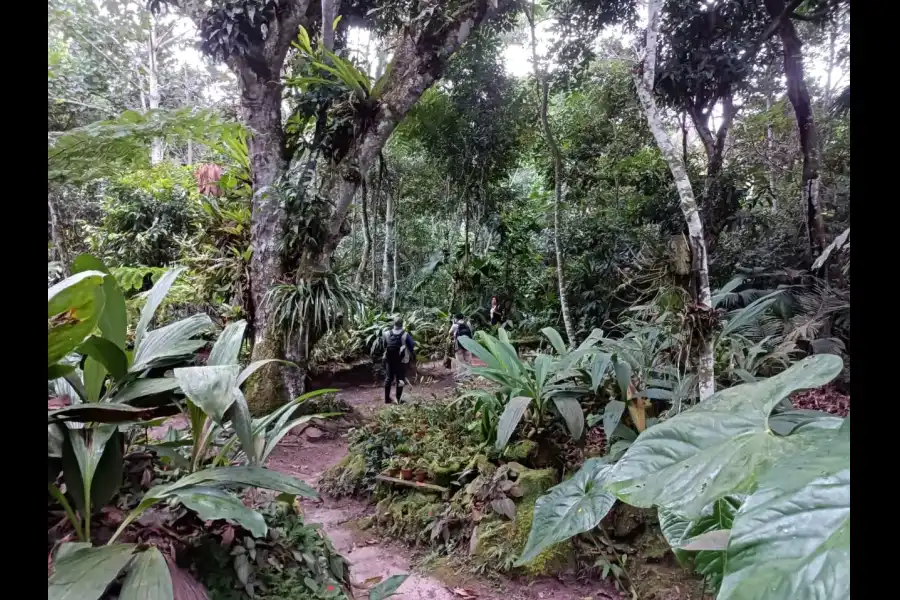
x=544, y=90
x=367, y=236
x=798, y=94
x=388, y=248
x=157, y=146
x=60, y=251
x=699, y=266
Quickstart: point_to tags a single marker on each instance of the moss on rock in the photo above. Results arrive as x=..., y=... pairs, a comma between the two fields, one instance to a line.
x=520, y=450
x=534, y=482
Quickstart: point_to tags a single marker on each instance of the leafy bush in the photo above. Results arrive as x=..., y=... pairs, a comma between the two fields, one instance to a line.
x=789, y=464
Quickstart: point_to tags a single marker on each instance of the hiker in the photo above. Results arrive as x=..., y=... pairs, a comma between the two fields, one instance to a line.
x=496, y=312
x=461, y=327
x=398, y=349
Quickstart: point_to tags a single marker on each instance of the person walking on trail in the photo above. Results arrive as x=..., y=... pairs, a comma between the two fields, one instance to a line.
x=461, y=328
x=496, y=311
x=398, y=349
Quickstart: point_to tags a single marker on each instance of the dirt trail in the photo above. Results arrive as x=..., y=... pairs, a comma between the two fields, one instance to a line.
x=369, y=557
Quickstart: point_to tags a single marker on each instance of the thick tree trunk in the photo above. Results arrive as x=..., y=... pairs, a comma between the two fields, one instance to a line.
x=394, y=275
x=798, y=94
x=157, y=144
x=543, y=89
x=644, y=84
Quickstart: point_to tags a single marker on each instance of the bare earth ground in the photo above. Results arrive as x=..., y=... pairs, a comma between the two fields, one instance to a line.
x=370, y=557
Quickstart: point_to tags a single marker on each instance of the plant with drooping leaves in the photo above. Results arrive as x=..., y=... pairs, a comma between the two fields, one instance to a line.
x=737, y=484
x=87, y=325
x=548, y=381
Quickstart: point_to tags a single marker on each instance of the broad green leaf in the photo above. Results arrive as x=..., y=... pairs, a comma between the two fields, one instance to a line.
x=599, y=367
x=257, y=365
x=718, y=447
x=160, y=346
x=148, y=577
x=481, y=353
x=239, y=414
x=140, y=388
x=210, y=388
x=92, y=462
x=612, y=415
x=387, y=587
x=791, y=538
x=789, y=421
x=570, y=409
x=154, y=299
x=509, y=420
x=211, y=504
x=543, y=364
x=570, y=508
x=284, y=412
x=106, y=353
x=74, y=306
x=556, y=340
x=114, y=320
x=227, y=348
x=85, y=573
x=711, y=541
x=59, y=370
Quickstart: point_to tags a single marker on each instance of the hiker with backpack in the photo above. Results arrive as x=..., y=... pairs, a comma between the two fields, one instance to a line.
x=461, y=327
x=398, y=349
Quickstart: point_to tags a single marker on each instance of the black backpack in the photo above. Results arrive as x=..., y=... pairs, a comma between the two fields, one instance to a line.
x=463, y=329
x=395, y=343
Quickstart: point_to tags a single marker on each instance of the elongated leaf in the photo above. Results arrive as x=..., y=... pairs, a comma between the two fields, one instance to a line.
x=791, y=538
x=280, y=431
x=211, y=504
x=74, y=306
x=710, y=541
x=599, y=367
x=227, y=348
x=570, y=508
x=92, y=461
x=85, y=573
x=106, y=353
x=656, y=394
x=140, y=388
x=571, y=412
x=388, y=587
x=623, y=376
x=239, y=414
x=481, y=353
x=556, y=340
x=94, y=376
x=59, y=370
x=114, y=320
x=612, y=416
x=210, y=388
x=789, y=421
x=256, y=365
x=285, y=411
x=509, y=420
x=110, y=413
x=148, y=577
x=162, y=345
x=154, y=299
x=718, y=447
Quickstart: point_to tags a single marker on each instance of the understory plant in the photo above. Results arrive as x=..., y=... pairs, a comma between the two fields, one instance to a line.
x=736, y=484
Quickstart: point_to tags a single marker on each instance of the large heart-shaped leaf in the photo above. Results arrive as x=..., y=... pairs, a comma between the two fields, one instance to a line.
x=227, y=348
x=791, y=538
x=148, y=577
x=718, y=447
x=210, y=388
x=85, y=573
x=509, y=420
x=211, y=504
x=160, y=346
x=74, y=306
x=570, y=508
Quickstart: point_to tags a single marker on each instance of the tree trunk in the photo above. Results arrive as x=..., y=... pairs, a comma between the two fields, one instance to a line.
x=60, y=252
x=798, y=94
x=699, y=267
x=156, y=145
x=367, y=237
x=388, y=248
x=544, y=91
x=394, y=276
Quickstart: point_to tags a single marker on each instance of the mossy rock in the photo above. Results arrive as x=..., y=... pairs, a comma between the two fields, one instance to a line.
x=484, y=466
x=345, y=478
x=520, y=450
x=534, y=482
